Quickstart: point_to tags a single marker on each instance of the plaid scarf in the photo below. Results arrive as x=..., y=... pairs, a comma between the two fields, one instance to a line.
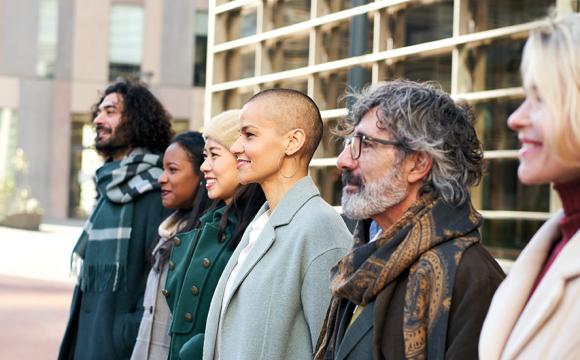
x=102, y=249
x=429, y=240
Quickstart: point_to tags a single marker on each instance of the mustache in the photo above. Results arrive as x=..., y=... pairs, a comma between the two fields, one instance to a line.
x=103, y=128
x=348, y=178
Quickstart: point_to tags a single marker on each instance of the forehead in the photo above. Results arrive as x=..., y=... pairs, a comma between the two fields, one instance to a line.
x=174, y=152
x=368, y=124
x=211, y=144
x=260, y=114
x=113, y=100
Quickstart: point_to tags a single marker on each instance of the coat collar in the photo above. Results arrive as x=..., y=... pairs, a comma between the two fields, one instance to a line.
x=513, y=318
x=291, y=202
x=289, y=205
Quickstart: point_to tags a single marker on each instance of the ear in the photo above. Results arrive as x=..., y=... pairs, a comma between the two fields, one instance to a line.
x=419, y=166
x=295, y=141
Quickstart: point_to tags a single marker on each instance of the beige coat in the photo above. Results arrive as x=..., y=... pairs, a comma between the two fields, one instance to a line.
x=548, y=325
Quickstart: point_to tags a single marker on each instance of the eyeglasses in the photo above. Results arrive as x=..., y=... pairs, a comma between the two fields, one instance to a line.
x=355, y=143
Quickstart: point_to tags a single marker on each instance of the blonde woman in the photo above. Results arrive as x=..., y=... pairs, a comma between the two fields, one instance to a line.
x=535, y=313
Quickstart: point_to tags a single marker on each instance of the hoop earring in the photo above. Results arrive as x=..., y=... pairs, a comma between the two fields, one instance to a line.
x=280, y=169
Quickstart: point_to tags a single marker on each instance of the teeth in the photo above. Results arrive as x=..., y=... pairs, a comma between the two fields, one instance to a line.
x=210, y=181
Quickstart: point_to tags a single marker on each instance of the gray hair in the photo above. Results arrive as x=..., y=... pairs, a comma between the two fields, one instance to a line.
x=423, y=118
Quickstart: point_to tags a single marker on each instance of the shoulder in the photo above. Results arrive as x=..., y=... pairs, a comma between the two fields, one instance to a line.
x=477, y=262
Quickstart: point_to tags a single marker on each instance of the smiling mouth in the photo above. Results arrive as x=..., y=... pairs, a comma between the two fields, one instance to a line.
x=165, y=193
x=209, y=182
x=242, y=162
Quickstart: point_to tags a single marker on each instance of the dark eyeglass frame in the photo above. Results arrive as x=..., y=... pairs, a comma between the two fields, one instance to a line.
x=355, y=145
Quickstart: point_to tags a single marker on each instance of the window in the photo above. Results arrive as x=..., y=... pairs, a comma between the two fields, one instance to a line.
x=47, y=38
x=126, y=41
x=200, y=48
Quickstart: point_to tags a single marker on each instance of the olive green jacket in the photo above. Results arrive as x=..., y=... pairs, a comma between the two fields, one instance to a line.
x=198, y=258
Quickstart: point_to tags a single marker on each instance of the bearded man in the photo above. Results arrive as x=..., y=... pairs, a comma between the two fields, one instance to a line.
x=111, y=256
x=420, y=288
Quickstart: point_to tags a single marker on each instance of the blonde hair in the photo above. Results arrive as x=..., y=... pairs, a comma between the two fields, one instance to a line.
x=551, y=64
x=224, y=128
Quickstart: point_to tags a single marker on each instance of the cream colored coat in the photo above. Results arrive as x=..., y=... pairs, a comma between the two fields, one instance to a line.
x=548, y=325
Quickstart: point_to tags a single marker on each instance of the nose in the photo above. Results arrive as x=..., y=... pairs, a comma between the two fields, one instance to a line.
x=98, y=120
x=163, y=178
x=345, y=161
x=520, y=118
x=205, y=167
x=237, y=147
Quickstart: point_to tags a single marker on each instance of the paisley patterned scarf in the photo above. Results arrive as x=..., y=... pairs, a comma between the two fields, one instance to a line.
x=429, y=241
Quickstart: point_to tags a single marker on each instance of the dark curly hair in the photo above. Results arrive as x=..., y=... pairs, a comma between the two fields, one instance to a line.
x=145, y=122
x=423, y=118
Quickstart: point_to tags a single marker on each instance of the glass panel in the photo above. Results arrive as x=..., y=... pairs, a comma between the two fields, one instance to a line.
x=492, y=124
x=336, y=41
x=504, y=238
x=332, y=87
x=180, y=125
x=331, y=6
x=125, y=41
x=502, y=190
x=286, y=13
x=84, y=162
x=237, y=64
x=288, y=54
x=7, y=143
x=200, y=48
x=423, y=23
x=299, y=85
x=436, y=68
x=327, y=179
x=491, y=14
x=494, y=66
x=47, y=38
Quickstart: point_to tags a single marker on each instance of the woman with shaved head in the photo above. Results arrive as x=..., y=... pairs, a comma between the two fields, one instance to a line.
x=273, y=294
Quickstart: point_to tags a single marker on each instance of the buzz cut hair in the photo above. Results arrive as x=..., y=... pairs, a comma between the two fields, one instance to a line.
x=293, y=110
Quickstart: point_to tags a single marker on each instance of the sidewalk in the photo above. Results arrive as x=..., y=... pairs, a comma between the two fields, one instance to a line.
x=43, y=254
x=35, y=290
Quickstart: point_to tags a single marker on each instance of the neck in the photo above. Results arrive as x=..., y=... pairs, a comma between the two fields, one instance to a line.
x=275, y=189
x=391, y=215
x=120, y=154
x=569, y=193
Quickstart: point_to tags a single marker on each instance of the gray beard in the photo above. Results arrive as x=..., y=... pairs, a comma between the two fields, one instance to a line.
x=375, y=198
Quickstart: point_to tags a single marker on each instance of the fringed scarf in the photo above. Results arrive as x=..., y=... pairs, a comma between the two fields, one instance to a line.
x=102, y=249
x=429, y=240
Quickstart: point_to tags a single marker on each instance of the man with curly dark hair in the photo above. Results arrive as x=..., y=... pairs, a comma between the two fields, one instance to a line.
x=110, y=257
x=421, y=286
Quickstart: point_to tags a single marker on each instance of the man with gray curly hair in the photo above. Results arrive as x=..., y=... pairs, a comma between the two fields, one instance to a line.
x=421, y=286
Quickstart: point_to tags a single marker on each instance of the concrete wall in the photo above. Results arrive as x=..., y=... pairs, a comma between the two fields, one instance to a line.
x=177, y=43
x=18, y=33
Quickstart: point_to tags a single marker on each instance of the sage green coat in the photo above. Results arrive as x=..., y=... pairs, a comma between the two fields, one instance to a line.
x=281, y=292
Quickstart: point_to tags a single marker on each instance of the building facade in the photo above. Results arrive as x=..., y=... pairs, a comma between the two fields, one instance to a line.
x=55, y=58
x=471, y=47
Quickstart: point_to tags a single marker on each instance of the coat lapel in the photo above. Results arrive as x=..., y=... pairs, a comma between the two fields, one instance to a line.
x=353, y=334
x=546, y=298
x=293, y=200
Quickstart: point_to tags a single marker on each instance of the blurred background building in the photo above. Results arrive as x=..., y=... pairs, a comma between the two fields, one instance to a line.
x=471, y=47
x=55, y=58
x=57, y=55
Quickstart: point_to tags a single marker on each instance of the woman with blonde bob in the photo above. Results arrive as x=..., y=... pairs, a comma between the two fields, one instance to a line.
x=536, y=311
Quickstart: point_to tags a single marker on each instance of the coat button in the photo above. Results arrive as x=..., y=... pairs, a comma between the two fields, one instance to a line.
x=205, y=263
x=150, y=309
x=165, y=293
x=188, y=317
x=177, y=241
x=171, y=265
x=194, y=290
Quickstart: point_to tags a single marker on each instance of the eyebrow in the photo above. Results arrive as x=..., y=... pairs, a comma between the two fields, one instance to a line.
x=108, y=106
x=246, y=127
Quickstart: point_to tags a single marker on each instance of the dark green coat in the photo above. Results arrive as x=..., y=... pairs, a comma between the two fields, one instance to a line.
x=197, y=261
x=104, y=325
